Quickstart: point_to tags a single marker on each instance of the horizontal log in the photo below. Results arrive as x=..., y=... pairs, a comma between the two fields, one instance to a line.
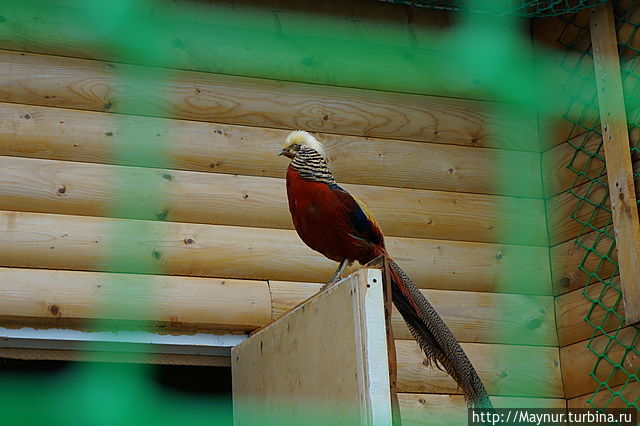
x=579, y=361
x=86, y=136
x=485, y=318
x=555, y=129
x=574, y=308
x=575, y=162
x=437, y=409
x=31, y=354
x=48, y=186
x=560, y=208
x=287, y=294
x=35, y=240
x=227, y=39
x=504, y=369
x=568, y=256
x=567, y=212
x=577, y=316
x=99, y=86
x=561, y=164
x=70, y=298
x=618, y=397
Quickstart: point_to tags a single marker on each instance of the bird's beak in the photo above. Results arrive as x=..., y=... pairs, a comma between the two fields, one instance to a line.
x=287, y=153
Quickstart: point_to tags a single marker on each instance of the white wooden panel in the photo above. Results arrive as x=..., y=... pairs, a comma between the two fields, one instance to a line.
x=325, y=360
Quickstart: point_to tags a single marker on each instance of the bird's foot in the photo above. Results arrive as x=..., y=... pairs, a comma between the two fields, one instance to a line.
x=337, y=275
x=330, y=284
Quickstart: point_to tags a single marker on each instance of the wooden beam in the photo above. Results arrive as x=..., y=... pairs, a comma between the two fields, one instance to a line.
x=48, y=186
x=556, y=161
x=70, y=299
x=618, y=158
x=560, y=209
x=507, y=370
x=573, y=309
x=31, y=354
x=579, y=360
x=344, y=44
x=439, y=409
x=48, y=298
x=487, y=317
x=80, y=243
x=617, y=397
x=87, y=136
x=53, y=81
x=566, y=257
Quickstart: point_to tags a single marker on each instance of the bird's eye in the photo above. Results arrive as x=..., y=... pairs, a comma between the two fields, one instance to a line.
x=295, y=146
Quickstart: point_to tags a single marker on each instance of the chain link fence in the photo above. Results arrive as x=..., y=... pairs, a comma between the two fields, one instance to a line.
x=528, y=8
x=614, y=344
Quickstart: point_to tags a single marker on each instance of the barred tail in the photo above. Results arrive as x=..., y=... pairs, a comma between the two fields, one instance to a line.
x=434, y=337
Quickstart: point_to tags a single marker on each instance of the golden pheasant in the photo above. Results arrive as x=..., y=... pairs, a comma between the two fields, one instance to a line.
x=341, y=227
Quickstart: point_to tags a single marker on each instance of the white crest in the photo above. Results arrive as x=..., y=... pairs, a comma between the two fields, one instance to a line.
x=303, y=138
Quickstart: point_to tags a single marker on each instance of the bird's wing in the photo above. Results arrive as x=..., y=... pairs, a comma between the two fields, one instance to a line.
x=361, y=221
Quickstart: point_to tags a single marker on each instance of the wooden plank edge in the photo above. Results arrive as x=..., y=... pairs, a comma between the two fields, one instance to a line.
x=573, y=308
x=566, y=258
x=503, y=369
x=89, y=136
x=189, y=249
x=414, y=107
x=536, y=319
x=612, y=399
x=88, y=189
x=32, y=354
x=578, y=360
x=618, y=157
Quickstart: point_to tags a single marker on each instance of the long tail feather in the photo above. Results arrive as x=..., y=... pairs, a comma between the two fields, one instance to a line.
x=434, y=337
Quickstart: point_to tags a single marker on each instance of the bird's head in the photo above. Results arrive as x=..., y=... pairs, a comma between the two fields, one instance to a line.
x=296, y=140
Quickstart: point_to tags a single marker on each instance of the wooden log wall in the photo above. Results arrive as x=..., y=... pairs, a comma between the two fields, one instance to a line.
x=568, y=145
x=221, y=248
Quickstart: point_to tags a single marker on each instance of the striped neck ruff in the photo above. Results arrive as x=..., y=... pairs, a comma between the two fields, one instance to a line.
x=311, y=166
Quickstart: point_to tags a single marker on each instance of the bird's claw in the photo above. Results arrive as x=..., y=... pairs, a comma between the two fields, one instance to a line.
x=330, y=283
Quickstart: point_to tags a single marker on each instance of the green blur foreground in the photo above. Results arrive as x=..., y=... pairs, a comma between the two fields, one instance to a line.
x=103, y=394
x=484, y=53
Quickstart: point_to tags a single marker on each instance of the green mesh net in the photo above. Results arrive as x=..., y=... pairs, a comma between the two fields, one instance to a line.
x=529, y=8
x=614, y=344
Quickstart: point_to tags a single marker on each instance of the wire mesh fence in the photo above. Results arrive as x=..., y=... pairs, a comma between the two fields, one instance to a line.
x=614, y=344
x=529, y=8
